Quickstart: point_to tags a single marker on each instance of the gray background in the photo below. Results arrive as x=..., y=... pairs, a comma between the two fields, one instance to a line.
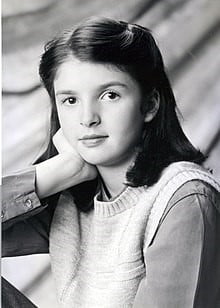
x=188, y=35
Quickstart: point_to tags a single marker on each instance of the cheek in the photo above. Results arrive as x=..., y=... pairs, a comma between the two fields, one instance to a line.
x=128, y=122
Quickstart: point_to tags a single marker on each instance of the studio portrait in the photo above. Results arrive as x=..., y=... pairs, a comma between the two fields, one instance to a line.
x=110, y=154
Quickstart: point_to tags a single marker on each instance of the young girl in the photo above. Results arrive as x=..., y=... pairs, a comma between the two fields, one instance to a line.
x=132, y=219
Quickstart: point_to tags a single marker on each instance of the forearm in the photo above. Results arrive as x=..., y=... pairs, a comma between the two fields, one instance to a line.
x=57, y=174
x=29, y=236
x=19, y=197
x=29, y=196
x=24, y=191
x=26, y=219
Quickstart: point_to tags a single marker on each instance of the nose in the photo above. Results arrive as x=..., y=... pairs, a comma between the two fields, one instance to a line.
x=90, y=116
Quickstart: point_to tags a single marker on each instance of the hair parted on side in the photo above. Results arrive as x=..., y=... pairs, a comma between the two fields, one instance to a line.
x=131, y=48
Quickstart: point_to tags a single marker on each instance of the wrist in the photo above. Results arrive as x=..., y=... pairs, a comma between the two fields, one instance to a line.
x=58, y=173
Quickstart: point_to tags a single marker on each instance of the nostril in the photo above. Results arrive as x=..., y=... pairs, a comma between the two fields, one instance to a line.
x=89, y=123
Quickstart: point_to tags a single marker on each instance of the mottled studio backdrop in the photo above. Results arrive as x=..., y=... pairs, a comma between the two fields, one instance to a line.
x=188, y=33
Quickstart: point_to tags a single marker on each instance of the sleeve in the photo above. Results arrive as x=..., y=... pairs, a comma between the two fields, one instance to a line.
x=182, y=262
x=26, y=219
x=19, y=199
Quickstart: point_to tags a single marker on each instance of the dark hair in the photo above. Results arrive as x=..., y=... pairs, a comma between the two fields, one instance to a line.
x=132, y=49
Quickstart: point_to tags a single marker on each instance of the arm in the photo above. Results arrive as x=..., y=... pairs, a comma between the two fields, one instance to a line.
x=26, y=218
x=19, y=198
x=23, y=190
x=182, y=262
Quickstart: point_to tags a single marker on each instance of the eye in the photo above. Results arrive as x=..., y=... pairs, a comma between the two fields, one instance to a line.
x=69, y=100
x=110, y=96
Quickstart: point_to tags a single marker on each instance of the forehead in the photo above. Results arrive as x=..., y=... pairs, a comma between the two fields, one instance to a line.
x=74, y=72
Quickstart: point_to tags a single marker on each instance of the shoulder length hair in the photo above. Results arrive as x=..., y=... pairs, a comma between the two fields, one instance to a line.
x=132, y=49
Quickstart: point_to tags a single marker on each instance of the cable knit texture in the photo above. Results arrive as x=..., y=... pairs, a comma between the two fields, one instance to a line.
x=98, y=257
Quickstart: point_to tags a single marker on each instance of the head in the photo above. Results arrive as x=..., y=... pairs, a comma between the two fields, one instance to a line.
x=126, y=51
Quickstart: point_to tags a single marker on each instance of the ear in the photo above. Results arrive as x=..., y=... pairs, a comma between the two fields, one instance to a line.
x=153, y=105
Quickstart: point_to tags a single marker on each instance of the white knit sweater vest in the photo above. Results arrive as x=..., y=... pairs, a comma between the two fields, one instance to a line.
x=97, y=257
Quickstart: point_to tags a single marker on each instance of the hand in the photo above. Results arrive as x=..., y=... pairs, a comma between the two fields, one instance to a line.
x=63, y=170
x=79, y=166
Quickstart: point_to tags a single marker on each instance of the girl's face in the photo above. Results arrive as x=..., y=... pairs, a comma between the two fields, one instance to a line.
x=99, y=109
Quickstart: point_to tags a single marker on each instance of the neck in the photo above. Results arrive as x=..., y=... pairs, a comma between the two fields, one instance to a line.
x=114, y=177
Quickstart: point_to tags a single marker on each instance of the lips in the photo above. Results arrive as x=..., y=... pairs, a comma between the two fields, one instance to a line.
x=90, y=137
x=91, y=141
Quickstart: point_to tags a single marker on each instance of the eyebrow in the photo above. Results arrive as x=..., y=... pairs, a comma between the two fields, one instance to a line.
x=113, y=83
x=68, y=92
x=103, y=86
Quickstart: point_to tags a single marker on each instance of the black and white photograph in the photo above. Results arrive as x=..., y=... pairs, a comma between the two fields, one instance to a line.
x=110, y=154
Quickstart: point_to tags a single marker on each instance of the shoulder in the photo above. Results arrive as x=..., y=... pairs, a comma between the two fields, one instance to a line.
x=192, y=212
x=185, y=181
x=194, y=196
x=195, y=188
x=192, y=188
x=188, y=187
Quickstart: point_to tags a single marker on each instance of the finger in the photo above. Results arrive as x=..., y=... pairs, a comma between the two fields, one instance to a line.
x=61, y=143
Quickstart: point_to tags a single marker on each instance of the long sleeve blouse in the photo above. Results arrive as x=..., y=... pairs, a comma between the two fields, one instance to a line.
x=183, y=259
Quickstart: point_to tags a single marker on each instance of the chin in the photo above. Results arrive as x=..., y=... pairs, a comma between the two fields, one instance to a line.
x=107, y=157
x=97, y=161
x=107, y=161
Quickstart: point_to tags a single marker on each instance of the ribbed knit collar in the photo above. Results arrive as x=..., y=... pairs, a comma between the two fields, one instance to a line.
x=127, y=199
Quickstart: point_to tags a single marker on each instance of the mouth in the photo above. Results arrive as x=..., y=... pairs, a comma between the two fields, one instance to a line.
x=91, y=141
x=91, y=137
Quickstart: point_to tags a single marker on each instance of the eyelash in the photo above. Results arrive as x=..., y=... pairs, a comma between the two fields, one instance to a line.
x=66, y=100
x=111, y=92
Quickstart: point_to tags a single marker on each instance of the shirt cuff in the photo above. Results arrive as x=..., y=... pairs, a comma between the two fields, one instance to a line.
x=19, y=198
